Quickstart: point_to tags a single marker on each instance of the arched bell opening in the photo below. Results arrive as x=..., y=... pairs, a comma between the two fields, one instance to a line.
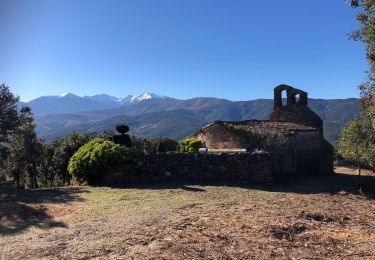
x=298, y=98
x=284, y=98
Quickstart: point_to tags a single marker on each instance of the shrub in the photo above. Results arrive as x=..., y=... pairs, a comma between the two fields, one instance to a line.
x=107, y=134
x=190, y=145
x=163, y=145
x=97, y=156
x=155, y=145
x=122, y=138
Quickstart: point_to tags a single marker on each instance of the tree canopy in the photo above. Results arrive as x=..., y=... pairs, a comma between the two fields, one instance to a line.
x=9, y=117
x=357, y=141
x=366, y=34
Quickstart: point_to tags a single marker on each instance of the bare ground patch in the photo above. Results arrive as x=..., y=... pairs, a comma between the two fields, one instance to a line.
x=332, y=221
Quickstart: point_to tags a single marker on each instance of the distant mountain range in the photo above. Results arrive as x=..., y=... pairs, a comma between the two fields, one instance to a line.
x=152, y=115
x=70, y=103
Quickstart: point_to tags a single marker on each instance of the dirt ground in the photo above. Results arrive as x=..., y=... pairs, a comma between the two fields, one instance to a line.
x=311, y=218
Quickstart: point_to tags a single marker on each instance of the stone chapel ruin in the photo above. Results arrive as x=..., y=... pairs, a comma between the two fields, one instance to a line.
x=293, y=136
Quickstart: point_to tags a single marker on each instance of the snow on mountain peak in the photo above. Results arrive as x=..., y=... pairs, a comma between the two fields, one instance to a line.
x=107, y=99
x=67, y=95
x=63, y=94
x=145, y=96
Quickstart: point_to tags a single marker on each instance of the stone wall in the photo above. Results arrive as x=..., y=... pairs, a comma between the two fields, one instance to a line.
x=215, y=137
x=256, y=167
x=314, y=155
x=296, y=114
x=303, y=153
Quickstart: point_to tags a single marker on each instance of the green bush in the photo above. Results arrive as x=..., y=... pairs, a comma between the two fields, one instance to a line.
x=190, y=145
x=163, y=145
x=95, y=157
x=155, y=145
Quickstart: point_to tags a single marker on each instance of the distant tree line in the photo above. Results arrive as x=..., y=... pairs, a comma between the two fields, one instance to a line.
x=27, y=161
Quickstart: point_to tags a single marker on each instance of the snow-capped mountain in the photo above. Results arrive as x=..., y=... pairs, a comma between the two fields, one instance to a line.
x=145, y=96
x=69, y=103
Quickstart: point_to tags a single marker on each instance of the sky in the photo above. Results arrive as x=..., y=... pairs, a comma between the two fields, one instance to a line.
x=237, y=50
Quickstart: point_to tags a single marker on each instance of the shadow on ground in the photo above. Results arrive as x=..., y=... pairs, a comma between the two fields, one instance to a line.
x=21, y=209
x=331, y=183
x=338, y=182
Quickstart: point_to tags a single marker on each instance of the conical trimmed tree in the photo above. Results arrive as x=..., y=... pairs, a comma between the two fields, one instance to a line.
x=122, y=138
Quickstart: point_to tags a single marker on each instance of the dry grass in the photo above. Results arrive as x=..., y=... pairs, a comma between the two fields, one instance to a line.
x=325, y=218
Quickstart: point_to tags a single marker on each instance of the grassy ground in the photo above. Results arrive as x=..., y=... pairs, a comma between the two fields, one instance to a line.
x=311, y=218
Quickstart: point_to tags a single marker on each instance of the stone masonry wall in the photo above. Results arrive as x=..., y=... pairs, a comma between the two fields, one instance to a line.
x=255, y=167
x=314, y=155
x=215, y=137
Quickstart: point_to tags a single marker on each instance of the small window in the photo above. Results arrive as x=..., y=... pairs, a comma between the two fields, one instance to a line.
x=298, y=98
x=284, y=98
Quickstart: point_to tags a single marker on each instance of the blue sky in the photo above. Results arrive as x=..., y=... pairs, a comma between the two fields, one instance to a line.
x=237, y=50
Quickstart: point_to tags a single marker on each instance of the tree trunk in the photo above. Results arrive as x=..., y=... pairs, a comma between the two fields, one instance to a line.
x=35, y=173
x=31, y=179
x=52, y=179
x=17, y=177
x=358, y=168
x=35, y=182
x=46, y=178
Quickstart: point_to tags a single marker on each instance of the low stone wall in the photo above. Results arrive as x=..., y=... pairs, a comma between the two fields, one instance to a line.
x=256, y=167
